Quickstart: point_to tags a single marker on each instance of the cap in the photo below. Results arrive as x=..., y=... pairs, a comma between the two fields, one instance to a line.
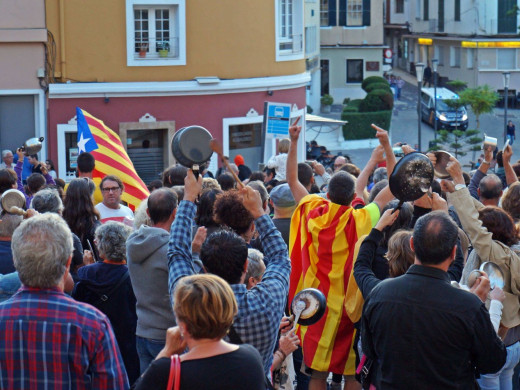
x=282, y=196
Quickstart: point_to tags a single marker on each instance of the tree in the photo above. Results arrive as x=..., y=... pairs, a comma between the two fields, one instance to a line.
x=458, y=142
x=456, y=85
x=481, y=99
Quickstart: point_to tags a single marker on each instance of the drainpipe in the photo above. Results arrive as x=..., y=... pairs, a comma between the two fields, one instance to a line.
x=63, y=61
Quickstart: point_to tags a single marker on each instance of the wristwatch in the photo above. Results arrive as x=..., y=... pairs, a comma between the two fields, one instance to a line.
x=486, y=162
x=459, y=186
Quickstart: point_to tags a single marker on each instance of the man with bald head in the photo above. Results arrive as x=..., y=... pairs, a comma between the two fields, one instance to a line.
x=490, y=190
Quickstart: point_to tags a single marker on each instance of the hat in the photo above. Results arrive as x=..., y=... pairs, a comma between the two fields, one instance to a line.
x=239, y=160
x=282, y=196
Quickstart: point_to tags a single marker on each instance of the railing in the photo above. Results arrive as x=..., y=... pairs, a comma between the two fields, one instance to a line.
x=156, y=48
x=292, y=45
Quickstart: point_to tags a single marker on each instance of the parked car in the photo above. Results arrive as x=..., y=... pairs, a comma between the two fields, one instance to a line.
x=447, y=117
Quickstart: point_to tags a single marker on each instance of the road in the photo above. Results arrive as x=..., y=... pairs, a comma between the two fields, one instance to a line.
x=404, y=127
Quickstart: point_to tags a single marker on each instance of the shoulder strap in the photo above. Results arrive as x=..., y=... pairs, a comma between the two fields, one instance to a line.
x=174, y=379
x=105, y=297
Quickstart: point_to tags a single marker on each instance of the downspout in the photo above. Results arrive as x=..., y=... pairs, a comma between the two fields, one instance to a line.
x=63, y=61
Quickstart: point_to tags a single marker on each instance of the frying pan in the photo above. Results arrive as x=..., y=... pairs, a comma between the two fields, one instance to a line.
x=411, y=178
x=308, y=306
x=443, y=158
x=190, y=147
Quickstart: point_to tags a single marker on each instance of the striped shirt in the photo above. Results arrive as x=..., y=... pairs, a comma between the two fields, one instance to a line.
x=50, y=341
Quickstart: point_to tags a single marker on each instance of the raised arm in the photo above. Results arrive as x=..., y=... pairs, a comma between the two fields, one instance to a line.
x=510, y=172
x=384, y=141
x=179, y=248
x=362, y=180
x=297, y=188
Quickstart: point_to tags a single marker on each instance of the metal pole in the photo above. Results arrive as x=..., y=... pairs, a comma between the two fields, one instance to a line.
x=505, y=112
x=419, y=84
x=435, y=100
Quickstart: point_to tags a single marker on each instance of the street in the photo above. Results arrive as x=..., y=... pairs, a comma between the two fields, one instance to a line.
x=404, y=126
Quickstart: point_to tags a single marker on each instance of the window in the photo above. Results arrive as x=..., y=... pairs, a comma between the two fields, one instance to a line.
x=354, y=71
x=506, y=58
x=469, y=58
x=457, y=10
x=399, y=6
x=426, y=10
x=418, y=9
x=289, y=29
x=439, y=54
x=455, y=57
x=354, y=13
x=156, y=33
x=324, y=13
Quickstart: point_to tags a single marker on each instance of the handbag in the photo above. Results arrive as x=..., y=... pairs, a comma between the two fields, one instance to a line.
x=174, y=379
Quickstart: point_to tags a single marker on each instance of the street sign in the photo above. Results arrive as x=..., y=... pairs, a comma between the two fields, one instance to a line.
x=278, y=117
x=387, y=53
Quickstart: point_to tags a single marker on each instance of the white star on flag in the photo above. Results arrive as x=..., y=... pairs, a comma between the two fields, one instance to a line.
x=82, y=142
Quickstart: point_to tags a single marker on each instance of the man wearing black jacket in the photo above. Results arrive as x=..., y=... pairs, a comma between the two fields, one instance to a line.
x=425, y=333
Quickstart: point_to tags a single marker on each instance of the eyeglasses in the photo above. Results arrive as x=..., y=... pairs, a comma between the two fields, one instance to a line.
x=110, y=189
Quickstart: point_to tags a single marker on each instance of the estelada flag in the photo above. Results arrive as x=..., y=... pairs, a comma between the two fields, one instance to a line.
x=322, y=239
x=111, y=158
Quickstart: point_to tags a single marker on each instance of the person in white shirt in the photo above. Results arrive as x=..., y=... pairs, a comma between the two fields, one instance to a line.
x=111, y=208
x=7, y=158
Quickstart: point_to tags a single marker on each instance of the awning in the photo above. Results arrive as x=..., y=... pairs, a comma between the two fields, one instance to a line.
x=323, y=120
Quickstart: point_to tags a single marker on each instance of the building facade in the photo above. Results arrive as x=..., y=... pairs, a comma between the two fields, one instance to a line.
x=351, y=46
x=23, y=37
x=150, y=67
x=473, y=41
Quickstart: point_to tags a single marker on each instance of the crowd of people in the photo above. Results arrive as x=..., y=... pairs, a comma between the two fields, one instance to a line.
x=193, y=289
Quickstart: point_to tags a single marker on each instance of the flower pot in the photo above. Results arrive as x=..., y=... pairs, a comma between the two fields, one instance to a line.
x=325, y=108
x=163, y=53
x=142, y=54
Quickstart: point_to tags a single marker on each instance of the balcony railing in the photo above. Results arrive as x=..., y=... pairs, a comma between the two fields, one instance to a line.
x=156, y=48
x=291, y=45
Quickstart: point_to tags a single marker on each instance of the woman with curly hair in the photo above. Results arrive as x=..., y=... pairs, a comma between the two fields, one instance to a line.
x=229, y=211
x=511, y=201
x=80, y=214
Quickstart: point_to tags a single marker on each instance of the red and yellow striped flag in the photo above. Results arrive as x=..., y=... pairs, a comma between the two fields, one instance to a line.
x=322, y=239
x=111, y=157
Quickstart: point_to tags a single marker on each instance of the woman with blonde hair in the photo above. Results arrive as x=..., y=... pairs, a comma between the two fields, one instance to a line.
x=205, y=306
x=279, y=161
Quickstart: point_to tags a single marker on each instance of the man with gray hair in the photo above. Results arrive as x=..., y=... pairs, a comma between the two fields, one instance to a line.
x=7, y=159
x=53, y=339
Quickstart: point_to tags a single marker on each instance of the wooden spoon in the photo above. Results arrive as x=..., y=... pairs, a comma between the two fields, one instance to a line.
x=217, y=148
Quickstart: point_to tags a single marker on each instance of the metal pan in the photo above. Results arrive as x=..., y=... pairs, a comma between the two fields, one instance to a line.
x=190, y=146
x=12, y=198
x=308, y=306
x=443, y=158
x=411, y=178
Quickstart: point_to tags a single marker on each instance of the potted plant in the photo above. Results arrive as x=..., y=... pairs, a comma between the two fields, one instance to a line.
x=326, y=101
x=163, y=48
x=143, y=49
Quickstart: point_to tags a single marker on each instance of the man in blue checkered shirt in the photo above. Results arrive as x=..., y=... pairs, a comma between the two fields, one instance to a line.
x=224, y=253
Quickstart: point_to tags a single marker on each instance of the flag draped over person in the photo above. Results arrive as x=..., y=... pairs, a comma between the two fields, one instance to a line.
x=322, y=258
x=111, y=158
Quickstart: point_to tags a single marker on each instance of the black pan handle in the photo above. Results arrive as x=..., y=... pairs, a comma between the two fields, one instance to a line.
x=196, y=171
x=398, y=207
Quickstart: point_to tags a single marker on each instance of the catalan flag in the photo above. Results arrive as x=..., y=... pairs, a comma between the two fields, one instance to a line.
x=322, y=239
x=111, y=157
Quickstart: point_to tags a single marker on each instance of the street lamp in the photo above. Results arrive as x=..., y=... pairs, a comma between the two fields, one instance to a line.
x=419, y=70
x=435, y=64
x=506, y=76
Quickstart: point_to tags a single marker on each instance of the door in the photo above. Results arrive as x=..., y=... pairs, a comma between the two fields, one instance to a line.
x=324, y=77
x=17, y=120
x=246, y=140
x=146, y=149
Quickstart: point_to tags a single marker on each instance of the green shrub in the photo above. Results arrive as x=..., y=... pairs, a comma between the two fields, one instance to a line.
x=373, y=86
x=309, y=109
x=358, y=123
x=373, y=79
x=353, y=105
x=377, y=100
x=326, y=100
x=350, y=109
x=346, y=100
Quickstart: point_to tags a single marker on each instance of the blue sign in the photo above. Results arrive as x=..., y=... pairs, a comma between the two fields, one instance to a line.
x=278, y=119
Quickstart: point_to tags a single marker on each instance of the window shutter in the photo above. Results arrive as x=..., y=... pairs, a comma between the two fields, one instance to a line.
x=332, y=12
x=366, y=12
x=343, y=12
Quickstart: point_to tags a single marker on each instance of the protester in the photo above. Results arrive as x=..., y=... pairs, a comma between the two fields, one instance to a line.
x=8, y=224
x=111, y=208
x=255, y=268
x=225, y=254
x=50, y=168
x=284, y=205
x=226, y=181
x=146, y=251
x=333, y=228
x=279, y=161
x=174, y=176
x=54, y=340
x=205, y=307
x=80, y=214
x=243, y=170
x=8, y=180
x=422, y=331
x=7, y=159
x=230, y=211
x=85, y=166
x=106, y=285
x=35, y=181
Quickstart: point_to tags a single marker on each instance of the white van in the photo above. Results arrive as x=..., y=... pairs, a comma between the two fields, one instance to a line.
x=447, y=117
